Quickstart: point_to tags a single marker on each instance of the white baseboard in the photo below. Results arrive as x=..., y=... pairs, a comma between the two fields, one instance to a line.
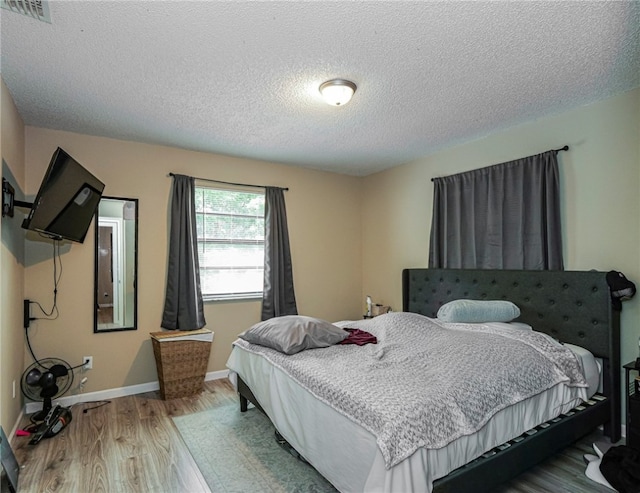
x=103, y=395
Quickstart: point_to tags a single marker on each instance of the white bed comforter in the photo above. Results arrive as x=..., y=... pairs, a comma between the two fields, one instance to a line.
x=424, y=384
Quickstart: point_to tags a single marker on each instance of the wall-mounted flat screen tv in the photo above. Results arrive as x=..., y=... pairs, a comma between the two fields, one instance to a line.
x=67, y=200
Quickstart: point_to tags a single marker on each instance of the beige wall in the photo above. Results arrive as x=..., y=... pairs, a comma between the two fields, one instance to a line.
x=600, y=185
x=325, y=233
x=11, y=266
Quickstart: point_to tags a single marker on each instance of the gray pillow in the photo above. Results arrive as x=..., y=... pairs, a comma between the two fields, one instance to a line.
x=478, y=311
x=294, y=333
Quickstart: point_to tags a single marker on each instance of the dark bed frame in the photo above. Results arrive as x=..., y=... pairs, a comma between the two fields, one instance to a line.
x=571, y=306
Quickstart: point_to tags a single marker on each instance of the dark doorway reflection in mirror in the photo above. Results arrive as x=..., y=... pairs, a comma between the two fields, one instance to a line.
x=116, y=265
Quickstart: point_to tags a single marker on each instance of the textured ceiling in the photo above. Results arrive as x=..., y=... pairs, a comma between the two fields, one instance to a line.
x=241, y=78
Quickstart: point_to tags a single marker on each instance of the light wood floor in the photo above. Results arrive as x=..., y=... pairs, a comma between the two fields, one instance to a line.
x=132, y=445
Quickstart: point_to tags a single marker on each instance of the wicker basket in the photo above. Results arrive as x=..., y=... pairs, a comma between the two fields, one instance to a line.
x=181, y=359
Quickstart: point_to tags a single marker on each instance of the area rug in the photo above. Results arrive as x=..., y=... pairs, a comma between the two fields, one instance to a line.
x=238, y=452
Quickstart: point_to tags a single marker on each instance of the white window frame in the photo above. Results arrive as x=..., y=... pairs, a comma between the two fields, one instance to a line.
x=227, y=296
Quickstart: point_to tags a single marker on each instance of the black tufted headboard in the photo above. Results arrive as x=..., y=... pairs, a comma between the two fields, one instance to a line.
x=571, y=306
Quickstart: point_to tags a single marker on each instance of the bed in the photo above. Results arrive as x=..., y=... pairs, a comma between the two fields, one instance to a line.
x=573, y=307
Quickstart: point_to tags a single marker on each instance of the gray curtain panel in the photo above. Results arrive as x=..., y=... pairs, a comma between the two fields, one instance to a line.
x=183, y=307
x=505, y=216
x=278, y=296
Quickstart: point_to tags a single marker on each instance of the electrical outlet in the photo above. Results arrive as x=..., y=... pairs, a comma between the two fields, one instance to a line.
x=88, y=362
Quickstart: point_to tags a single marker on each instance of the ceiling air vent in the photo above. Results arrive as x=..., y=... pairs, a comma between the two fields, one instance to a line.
x=38, y=9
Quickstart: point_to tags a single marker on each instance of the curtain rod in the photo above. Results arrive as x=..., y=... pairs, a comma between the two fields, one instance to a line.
x=565, y=148
x=232, y=183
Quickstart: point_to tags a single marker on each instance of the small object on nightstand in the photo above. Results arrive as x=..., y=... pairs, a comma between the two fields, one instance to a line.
x=379, y=309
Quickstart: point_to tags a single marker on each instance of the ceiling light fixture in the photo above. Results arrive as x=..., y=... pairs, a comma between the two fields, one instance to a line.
x=337, y=92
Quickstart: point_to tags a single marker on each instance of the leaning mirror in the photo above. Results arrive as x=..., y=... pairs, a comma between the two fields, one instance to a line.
x=116, y=265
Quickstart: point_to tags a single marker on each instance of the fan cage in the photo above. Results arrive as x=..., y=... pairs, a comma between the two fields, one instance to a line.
x=64, y=383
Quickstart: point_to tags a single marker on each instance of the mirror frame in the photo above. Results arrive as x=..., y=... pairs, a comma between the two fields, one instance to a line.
x=133, y=326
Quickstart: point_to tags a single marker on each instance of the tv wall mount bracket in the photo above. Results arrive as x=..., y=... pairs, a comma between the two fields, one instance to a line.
x=8, y=199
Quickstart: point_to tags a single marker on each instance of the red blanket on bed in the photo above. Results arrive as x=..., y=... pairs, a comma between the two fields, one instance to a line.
x=359, y=337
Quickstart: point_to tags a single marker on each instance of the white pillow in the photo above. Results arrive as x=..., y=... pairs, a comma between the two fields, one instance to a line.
x=294, y=333
x=478, y=311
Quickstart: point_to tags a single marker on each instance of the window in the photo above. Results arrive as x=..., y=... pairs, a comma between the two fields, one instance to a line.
x=230, y=226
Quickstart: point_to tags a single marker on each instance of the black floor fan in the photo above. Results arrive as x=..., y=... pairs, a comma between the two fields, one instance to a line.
x=45, y=380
